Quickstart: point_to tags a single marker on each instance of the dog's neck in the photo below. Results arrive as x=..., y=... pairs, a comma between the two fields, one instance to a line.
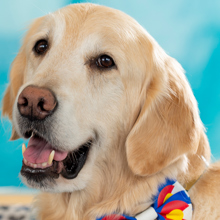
x=115, y=189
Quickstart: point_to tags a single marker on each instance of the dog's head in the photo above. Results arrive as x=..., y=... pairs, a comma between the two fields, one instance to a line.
x=89, y=80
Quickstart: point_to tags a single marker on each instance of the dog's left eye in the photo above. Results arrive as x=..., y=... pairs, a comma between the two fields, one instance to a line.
x=41, y=47
x=105, y=61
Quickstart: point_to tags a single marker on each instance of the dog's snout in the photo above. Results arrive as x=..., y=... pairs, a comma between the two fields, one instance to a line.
x=36, y=103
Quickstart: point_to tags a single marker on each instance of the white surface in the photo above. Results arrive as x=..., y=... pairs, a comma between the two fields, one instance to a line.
x=149, y=214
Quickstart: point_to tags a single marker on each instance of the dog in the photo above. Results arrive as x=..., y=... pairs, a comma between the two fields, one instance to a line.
x=110, y=117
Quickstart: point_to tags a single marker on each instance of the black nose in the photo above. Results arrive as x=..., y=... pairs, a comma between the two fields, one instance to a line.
x=36, y=103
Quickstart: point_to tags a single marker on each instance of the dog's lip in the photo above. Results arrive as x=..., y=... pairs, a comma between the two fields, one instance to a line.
x=75, y=161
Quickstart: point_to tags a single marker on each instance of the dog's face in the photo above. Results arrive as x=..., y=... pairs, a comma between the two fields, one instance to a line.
x=78, y=84
x=72, y=97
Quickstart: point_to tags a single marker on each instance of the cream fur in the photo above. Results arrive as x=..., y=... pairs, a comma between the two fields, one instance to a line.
x=143, y=111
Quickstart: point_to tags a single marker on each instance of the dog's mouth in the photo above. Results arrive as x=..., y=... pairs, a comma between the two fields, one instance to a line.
x=42, y=160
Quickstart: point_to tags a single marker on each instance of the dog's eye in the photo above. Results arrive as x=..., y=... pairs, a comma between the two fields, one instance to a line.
x=105, y=61
x=41, y=47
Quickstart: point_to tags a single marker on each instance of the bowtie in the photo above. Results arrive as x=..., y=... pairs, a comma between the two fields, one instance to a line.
x=171, y=203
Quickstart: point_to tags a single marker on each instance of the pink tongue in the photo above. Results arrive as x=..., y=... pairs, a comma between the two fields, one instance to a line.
x=38, y=151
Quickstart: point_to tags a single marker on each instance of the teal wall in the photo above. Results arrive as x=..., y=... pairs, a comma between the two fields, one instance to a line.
x=187, y=30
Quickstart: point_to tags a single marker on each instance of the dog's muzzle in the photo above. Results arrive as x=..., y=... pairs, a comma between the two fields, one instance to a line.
x=43, y=158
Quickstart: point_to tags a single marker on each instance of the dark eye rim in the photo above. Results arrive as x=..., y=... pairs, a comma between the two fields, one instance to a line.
x=100, y=66
x=37, y=51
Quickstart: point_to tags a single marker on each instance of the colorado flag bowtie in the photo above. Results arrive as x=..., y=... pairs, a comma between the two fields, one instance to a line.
x=171, y=203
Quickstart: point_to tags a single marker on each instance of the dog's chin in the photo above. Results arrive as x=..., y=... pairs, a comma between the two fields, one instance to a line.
x=60, y=173
x=47, y=184
x=59, y=185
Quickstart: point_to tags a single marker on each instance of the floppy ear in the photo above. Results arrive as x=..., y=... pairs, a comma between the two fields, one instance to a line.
x=16, y=80
x=168, y=125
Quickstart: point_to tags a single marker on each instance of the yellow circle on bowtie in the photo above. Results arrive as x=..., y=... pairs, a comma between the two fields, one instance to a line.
x=176, y=214
x=167, y=197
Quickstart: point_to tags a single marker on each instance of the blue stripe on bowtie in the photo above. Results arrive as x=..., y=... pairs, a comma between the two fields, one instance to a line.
x=116, y=217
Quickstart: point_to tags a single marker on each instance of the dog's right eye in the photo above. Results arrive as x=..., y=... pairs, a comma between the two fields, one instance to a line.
x=105, y=61
x=41, y=47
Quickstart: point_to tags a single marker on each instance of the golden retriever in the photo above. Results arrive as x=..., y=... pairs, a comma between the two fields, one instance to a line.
x=109, y=115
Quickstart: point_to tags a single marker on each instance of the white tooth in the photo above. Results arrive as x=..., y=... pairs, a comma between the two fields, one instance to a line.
x=44, y=164
x=25, y=161
x=50, y=159
x=35, y=165
x=23, y=148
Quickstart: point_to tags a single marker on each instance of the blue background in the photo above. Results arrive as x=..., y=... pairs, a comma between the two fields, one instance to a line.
x=187, y=30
